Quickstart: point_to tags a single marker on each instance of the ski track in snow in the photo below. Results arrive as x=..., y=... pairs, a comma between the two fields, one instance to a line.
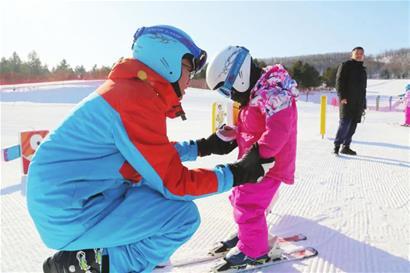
x=354, y=210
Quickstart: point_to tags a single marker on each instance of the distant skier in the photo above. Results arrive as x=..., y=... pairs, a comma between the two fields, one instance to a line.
x=107, y=187
x=351, y=83
x=407, y=103
x=268, y=118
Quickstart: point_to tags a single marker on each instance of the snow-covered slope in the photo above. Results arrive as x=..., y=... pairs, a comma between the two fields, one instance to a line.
x=387, y=87
x=354, y=210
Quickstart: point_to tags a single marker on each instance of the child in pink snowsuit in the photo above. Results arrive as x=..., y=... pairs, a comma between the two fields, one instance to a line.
x=268, y=117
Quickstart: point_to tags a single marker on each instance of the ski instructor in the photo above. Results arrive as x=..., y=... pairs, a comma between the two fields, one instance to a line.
x=107, y=187
x=351, y=83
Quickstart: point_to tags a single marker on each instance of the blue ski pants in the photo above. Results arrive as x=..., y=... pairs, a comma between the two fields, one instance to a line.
x=137, y=227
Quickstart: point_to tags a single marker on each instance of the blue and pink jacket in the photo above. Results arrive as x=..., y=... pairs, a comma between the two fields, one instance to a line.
x=117, y=134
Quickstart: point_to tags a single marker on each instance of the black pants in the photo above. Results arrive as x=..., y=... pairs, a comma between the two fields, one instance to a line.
x=347, y=127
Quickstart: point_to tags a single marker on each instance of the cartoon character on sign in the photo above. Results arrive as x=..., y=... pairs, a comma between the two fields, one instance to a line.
x=220, y=116
x=30, y=140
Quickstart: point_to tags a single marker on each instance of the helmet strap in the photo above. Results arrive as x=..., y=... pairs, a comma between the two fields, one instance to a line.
x=240, y=97
x=177, y=90
x=243, y=97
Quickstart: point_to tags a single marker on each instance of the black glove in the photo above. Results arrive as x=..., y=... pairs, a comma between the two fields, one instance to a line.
x=214, y=145
x=250, y=167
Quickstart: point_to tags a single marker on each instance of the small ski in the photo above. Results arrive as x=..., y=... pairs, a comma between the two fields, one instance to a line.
x=210, y=256
x=295, y=255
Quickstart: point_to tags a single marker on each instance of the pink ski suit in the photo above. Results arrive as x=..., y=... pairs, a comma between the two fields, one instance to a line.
x=270, y=118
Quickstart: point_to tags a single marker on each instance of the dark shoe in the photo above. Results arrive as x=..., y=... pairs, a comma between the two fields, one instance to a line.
x=235, y=259
x=336, y=149
x=82, y=261
x=225, y=245
x=347, y=151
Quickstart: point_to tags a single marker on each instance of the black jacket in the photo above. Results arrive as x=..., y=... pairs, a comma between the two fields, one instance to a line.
x=351, y=82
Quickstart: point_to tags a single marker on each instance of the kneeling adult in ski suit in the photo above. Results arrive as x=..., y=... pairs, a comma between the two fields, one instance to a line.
x=107, y=186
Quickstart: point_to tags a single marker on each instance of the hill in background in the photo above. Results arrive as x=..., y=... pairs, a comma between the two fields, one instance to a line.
x=392, y=64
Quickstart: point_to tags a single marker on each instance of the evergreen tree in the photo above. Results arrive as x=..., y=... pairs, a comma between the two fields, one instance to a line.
x=63, y=71
x=296, y=71
x=15, y=63
x=5, y=70
x=310, y=76
x=80, y=72
x=329, y=76
x=36, y=71
x=305, y=75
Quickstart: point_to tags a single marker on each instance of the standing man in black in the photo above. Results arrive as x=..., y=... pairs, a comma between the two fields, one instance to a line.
x=351, y=82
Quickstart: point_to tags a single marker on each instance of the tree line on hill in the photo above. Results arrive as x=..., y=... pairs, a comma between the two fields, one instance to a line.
x=15, y=70
x=391, y=64
x=309, y=70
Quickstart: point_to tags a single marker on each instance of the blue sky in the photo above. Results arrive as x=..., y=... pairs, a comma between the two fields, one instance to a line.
x=99, y=32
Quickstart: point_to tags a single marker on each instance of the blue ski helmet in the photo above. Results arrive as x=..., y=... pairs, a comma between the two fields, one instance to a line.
x=408, y=87
x=162, y=48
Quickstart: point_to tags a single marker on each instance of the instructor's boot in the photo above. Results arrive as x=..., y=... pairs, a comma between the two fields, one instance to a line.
x=347, y=151
x=336, y=149
x=81, y=261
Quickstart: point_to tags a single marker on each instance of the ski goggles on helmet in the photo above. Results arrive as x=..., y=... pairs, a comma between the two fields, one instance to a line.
x=199, y=56
x=233, y=73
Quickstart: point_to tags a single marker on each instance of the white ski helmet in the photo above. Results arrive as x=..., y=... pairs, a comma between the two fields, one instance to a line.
x=231, y=68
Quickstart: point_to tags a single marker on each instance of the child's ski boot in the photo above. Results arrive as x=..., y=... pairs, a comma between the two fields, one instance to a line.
x=235, y=259
x=221, y=248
